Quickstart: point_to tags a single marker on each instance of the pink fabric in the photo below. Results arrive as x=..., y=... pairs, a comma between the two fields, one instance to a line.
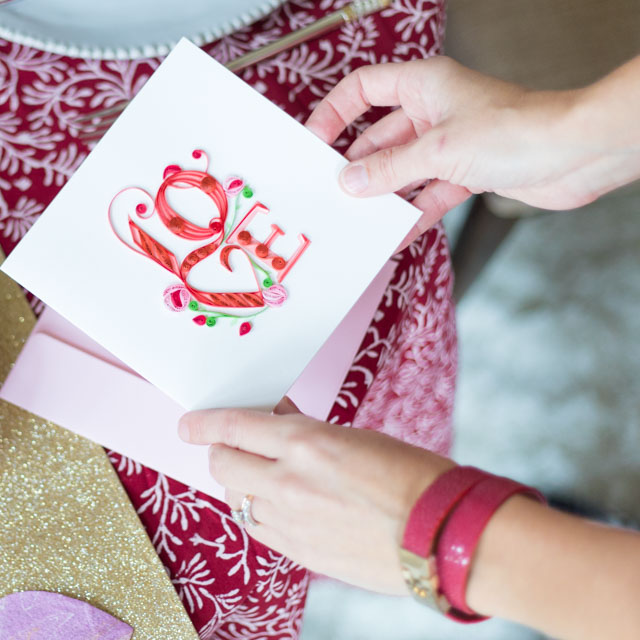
x=402, y=380
x=40, y=615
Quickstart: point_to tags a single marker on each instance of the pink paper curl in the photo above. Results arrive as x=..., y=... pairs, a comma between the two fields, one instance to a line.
x=275, y=296
x=177, y=297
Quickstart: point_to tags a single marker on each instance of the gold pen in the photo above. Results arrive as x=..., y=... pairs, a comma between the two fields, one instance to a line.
x=348, y=13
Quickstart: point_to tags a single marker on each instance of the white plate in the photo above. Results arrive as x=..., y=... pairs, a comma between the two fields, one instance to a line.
x=120, y=29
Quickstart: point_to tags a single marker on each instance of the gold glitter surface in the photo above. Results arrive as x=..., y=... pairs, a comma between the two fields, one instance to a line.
x=66, y=524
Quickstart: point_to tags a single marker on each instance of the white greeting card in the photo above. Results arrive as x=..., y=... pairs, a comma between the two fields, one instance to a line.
x=205, y=241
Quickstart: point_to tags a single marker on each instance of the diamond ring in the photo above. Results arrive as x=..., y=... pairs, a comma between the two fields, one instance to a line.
x=238, y=516
x=246, y=511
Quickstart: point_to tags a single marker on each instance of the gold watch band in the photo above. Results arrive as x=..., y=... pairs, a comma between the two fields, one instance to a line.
x=421, y=577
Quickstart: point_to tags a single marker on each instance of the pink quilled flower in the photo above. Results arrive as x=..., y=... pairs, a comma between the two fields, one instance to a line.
x=275, y=296
x=177, y=297
x=233, y=185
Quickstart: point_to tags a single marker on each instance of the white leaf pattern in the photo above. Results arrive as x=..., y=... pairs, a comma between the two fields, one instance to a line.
x=403, y=377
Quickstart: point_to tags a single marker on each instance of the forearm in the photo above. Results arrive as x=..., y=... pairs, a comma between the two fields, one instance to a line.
x=557, y=573
x=607, y=122
x=562, y=575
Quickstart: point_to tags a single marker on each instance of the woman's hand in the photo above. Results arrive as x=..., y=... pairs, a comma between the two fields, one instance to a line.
x=470, y=133
x=333, y=499
x=336, y=500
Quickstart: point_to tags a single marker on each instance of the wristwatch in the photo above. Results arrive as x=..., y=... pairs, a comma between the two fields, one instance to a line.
x=419, y=543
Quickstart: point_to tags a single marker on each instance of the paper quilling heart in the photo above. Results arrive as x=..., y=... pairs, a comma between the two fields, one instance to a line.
x=223, y=235
x=40, y=615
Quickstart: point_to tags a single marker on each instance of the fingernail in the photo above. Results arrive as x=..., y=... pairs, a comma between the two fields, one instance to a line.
x=354, y=178
x=183, y=430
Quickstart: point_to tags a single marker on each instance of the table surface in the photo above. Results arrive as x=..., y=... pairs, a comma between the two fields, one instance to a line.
x=403, y=377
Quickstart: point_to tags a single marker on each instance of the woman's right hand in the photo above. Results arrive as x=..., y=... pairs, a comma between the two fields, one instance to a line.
x=470, y=133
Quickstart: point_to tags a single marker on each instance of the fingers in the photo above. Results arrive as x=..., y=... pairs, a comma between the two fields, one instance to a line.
x=252, y=431
x=436, y=199
x=234, y=499
x=394, y=129
x=240, y=471
x=375, y=85
x=269, y=537
x=405, y=192
x=385, y=171
x=388, y=155
x=264, y=513
x=262, y=510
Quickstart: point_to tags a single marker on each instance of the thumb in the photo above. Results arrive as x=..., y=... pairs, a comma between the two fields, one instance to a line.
x=385, y=171
x=436, y=199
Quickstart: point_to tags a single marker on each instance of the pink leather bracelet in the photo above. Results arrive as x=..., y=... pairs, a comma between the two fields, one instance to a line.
x=434, y=505
x=461, y=534
x=417, y=554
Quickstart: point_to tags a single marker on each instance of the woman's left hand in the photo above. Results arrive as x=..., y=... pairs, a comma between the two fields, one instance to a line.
x=333, y=499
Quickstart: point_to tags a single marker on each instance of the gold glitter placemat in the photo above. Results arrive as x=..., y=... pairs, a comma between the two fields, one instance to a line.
x=66, y=523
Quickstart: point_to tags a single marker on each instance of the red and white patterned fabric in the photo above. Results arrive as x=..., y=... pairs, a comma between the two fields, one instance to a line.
x=402, y=380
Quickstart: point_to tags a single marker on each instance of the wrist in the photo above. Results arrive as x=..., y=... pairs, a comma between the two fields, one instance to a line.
x=588, y=143
x=443, y=532
x=604, y=125
x=506, y=553
x=609, y=109
x=419, y=549
x=562, y=575
x=421, y=474
x=553, y=124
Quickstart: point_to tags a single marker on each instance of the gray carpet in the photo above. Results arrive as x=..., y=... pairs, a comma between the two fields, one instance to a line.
x=549, y=392
x=550, y=357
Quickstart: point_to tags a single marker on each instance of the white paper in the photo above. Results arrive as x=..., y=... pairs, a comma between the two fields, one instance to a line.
x=72, y=260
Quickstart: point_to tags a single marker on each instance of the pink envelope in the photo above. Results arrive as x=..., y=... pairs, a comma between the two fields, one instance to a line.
x=64, y=376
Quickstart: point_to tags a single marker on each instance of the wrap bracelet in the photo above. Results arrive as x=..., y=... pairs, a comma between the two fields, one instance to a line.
x=460, y=536
x=442, y=534
x=417, y=553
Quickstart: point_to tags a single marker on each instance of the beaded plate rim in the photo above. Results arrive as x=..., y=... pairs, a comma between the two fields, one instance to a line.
x=200, y=37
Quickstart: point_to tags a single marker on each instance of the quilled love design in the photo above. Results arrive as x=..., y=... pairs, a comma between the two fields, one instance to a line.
x=227, y=233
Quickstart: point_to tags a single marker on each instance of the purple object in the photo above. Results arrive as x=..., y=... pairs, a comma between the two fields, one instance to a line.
x=41, y=615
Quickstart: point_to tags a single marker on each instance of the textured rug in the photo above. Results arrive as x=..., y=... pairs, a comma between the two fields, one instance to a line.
x=549, y=392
